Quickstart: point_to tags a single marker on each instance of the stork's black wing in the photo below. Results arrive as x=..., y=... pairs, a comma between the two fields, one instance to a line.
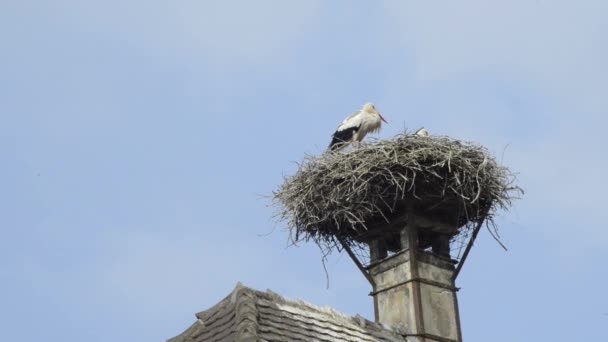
x=342, y=137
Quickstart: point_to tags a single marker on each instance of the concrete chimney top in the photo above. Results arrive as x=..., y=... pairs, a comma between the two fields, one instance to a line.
x=414, y=289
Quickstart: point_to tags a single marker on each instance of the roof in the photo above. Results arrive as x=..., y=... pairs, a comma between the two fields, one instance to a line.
x=250, y=315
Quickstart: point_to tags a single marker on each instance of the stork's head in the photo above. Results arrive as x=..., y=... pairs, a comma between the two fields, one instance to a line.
x=369, y=108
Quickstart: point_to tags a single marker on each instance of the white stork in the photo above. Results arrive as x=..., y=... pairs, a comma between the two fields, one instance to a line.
x=356, y=126
x=422, y=132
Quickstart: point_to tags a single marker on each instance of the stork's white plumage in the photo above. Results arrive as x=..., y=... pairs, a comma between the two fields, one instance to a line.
x=422, y=132
x=355, y=127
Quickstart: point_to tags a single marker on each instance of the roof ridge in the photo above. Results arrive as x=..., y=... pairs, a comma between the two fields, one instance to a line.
x=358, y=319
x=246, y=313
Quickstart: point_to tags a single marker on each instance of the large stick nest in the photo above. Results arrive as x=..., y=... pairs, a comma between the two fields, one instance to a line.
x=338, y=196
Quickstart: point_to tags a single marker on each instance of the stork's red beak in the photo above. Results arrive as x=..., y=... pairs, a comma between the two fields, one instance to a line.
x=382, y=118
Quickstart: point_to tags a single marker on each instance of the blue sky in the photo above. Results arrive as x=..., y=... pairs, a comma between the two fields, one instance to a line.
x=138, y=140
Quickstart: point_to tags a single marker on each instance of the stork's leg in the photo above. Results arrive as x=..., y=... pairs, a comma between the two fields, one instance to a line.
x=355, y=140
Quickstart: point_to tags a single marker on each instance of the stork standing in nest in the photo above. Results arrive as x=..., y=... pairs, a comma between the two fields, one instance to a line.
x=355, y=127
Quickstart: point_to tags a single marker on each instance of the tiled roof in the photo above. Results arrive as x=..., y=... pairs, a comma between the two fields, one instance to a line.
x=250, y=315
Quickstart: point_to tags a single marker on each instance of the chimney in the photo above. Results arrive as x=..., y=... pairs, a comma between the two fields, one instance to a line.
x=413, y=289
